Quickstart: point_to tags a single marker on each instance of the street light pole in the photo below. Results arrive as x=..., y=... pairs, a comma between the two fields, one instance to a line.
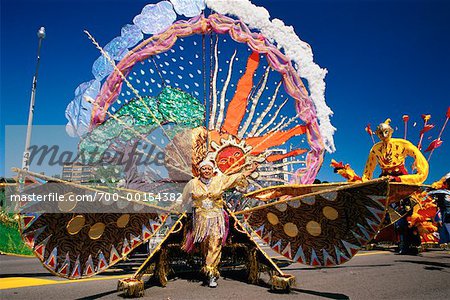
x=26, y=153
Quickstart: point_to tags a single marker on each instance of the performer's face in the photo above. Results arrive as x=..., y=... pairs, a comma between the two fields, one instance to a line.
x=206, y=172
x=384, y=132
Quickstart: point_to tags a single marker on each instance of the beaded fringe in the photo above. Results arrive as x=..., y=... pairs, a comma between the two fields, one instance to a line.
x=210, y=271
x=208, y=224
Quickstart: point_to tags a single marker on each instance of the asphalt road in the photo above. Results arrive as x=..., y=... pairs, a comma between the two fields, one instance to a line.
x=369, y=275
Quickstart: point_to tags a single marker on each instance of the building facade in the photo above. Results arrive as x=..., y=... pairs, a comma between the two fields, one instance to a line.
x=77, y=172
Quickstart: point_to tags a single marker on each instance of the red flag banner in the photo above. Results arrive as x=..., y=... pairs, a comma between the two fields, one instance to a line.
x=434, y=144
x=368, y=129
x=426, y=128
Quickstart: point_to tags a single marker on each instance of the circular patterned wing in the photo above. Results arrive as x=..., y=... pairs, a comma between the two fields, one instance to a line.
x=72, y=241
x=81, y=245
x=324, y=228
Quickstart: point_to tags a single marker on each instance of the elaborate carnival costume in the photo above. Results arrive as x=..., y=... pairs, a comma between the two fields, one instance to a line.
x=209, y=226
x=410, y=220
x=272, y=121
x=390, y=155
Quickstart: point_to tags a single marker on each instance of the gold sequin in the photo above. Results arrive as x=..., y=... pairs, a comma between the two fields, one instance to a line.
x=272, y=218
x=313, y=228
x=96, y=230
x=123, y=220
x=330, y=213
x=290, y=229
x=75, y=224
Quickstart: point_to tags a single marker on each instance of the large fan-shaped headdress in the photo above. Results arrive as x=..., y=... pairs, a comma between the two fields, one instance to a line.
x=209, y=72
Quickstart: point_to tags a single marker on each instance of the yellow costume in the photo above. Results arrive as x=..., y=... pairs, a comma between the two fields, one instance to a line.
x=209, y=220
x=390, y=155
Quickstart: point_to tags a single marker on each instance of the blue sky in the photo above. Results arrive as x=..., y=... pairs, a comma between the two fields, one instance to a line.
x=384, y=59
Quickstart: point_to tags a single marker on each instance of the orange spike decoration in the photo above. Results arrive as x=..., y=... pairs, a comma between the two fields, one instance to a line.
x=345, y=171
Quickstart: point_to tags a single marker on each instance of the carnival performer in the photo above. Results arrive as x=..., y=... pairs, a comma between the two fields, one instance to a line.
x=390, y=154
x=204, y=194
x=442, y=198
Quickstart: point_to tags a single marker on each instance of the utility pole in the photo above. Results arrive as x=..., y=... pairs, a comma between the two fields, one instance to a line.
x=26, y=153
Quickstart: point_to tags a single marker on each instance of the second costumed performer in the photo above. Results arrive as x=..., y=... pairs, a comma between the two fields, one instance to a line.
x=204, y=194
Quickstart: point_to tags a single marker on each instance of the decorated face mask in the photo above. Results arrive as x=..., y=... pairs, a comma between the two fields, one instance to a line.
x=230, y=157
x=384, y=132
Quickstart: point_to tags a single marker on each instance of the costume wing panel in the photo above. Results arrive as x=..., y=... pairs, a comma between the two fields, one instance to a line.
x=81, y=245
x=400, y=190
x=324, y=228
x=293, y=190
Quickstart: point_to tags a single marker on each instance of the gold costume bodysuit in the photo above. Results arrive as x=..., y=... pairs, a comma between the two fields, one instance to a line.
x=209, y=220
x=390, y=156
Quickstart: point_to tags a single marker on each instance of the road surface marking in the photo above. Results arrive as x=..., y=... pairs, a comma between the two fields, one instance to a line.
x=18, y=282
x=372, y=253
